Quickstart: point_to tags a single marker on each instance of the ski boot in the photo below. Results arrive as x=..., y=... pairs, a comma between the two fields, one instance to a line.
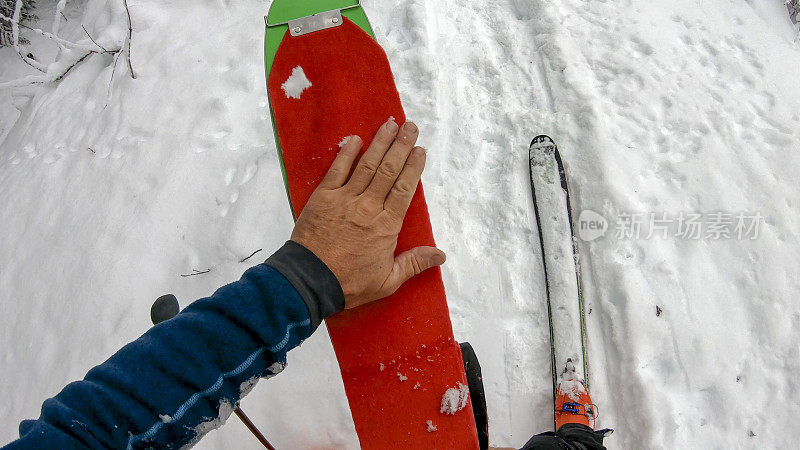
x=573, y=404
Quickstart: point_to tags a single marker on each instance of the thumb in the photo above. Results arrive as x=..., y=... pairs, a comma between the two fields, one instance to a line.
x=411, y=263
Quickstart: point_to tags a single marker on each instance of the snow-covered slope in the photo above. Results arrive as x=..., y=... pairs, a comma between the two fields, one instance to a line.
x=112, y=189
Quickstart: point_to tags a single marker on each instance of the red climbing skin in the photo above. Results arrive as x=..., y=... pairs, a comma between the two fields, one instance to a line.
x=397, y=355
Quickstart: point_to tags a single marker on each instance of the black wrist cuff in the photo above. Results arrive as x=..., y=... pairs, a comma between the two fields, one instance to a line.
x=314, y=281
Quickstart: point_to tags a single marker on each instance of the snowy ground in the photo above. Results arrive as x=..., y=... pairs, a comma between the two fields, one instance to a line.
x=114, y=188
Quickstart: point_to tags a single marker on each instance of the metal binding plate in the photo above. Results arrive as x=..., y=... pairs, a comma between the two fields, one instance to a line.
x=270, y=25
x=316, y=22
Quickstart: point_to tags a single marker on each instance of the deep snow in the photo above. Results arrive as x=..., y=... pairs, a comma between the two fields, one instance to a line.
x=112, y=189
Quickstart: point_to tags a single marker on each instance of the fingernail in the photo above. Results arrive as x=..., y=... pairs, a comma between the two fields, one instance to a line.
x=437, y=259
x=410, y=127
x=422, y=151
x=391, y=125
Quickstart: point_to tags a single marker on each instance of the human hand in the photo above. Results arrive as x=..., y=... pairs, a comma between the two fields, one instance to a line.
x=352, y=224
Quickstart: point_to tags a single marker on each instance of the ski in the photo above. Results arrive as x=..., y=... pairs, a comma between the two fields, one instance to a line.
x=403, y=372
x=565, y=308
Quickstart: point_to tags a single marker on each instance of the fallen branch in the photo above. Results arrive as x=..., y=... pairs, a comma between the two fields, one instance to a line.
x=53, y=75
x=56, y=71
x=195, y=272
x=44, y=79
x=66, y=71
x=251, y=255
x=58, y=40
x=60, y=68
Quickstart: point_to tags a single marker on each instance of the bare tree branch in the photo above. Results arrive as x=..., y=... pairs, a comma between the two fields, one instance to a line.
x=58, y=40
x=130, y=34
x=63, y=65
x=92, y=39
x=52, y=77
x=44, y=79
x=195, y=272
x=66, y=71
x=251, y=255
x=62, y=42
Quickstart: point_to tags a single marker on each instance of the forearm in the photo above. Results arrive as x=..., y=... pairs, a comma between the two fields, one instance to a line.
x=169, y=386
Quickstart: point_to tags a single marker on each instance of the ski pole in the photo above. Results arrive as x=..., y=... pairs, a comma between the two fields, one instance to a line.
x=250, y=426
x=165, y=308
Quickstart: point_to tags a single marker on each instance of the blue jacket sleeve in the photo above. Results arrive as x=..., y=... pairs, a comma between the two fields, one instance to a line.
x=174, y=384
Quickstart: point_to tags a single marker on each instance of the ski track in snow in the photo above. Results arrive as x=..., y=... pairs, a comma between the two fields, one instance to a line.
x=655, y=107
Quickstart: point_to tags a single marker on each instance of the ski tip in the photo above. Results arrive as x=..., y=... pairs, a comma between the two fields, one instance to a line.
x=542, y=141
x=543, y=146
x=164, y=308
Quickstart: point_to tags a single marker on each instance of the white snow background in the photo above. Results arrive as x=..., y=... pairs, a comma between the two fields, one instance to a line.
x=111, y=189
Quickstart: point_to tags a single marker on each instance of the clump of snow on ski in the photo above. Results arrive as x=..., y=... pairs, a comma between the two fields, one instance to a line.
x=296, y=83
x=570, y=383
x=454, y=399
x=430, y=426
x=572, y=388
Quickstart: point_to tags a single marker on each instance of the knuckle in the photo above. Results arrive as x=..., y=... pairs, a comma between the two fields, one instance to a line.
x=366, y=208
x=416, y=264
x=368, y=166
x=402, y=188
x=388, y=169
x=363, y=209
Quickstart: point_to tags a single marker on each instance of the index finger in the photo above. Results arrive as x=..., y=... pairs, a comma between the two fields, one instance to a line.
x=340, y=169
